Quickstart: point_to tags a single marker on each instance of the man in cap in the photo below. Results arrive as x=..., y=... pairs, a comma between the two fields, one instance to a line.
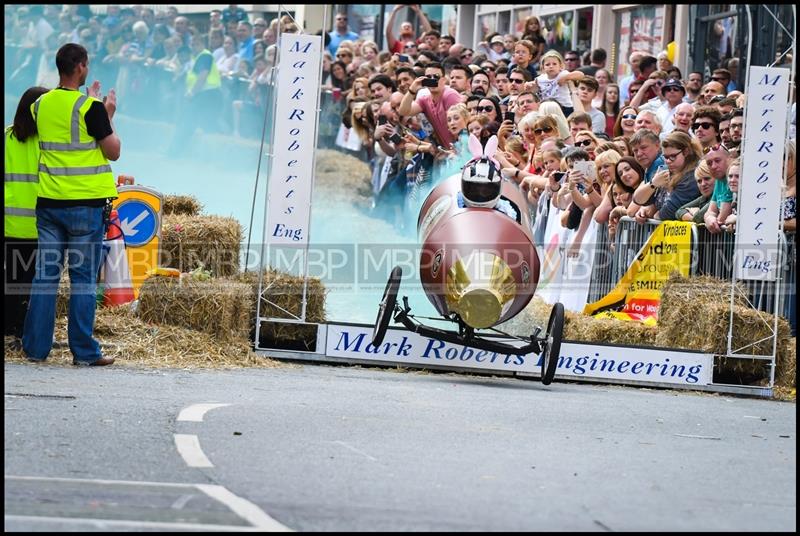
x=673, y=92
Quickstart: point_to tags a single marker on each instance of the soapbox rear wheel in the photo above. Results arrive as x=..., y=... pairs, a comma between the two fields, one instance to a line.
x=386, y=307
x=551, y=347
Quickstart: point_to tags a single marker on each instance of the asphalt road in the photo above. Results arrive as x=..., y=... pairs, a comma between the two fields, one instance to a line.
x=322, y=448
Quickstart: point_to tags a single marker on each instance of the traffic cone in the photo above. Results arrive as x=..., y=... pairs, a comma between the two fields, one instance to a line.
x=118, y=284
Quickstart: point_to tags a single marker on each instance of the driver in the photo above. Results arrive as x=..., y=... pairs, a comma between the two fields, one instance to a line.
x=480, y=187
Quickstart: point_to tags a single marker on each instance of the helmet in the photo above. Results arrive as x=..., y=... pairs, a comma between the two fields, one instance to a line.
x=480, y=183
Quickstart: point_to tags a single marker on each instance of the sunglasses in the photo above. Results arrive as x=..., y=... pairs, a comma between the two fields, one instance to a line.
x=463, y=56
x=411, y=46
x=539, y=131
x=584, y=143
x=486, y=109
x=717, y=79
x=435, y=77
x=488, y=68
x=696, y=126
x=570, y=59
x=516, y=80
x=716, y=147
x=343, y=55
x=671, y=157
x=629, y=116
x=672, y=88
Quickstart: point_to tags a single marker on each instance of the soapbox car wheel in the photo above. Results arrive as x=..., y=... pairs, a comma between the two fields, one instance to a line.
x=551, y=347
x=386, y=307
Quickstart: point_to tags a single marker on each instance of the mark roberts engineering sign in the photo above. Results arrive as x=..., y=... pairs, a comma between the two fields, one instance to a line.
x=579, y=360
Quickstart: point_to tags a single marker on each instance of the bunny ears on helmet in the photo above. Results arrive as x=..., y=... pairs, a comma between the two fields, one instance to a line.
x=479, y=152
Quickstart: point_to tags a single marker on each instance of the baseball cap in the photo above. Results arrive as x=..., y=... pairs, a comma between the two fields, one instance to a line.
x=673, y=82
x=497, y=39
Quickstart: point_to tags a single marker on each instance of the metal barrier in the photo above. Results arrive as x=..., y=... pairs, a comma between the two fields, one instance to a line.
x=603, y=270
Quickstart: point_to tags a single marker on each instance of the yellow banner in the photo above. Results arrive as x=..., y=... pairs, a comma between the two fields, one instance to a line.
x=638, y=293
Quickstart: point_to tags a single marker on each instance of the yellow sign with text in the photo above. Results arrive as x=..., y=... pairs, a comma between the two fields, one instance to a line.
x=637, y=296
x=139, y=209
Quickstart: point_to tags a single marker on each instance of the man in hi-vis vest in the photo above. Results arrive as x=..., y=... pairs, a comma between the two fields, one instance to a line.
x=202, y=104
x=76, y=141
x=19, y=218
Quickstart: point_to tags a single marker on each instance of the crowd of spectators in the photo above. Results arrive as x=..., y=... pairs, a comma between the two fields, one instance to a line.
x=146, y=55
x=663, y=145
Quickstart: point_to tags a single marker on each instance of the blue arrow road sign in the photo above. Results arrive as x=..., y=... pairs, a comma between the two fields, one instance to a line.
x=138, y=220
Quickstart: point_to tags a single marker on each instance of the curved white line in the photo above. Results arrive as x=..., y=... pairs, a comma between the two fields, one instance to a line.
x=189, y=448
x=196, y=412
x=243, y=508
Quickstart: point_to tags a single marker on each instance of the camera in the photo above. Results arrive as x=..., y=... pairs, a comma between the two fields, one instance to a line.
x=402, y=58
x=430, y=82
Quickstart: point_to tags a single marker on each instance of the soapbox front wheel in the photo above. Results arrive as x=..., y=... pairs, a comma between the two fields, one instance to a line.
x=551, y=347
x=386, y=307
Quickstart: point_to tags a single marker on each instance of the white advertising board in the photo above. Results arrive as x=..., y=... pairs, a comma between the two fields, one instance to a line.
x=294, y=140
x=578, y=360
x=761, y=174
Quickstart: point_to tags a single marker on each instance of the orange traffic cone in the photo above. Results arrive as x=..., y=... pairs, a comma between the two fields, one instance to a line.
x=118, y=285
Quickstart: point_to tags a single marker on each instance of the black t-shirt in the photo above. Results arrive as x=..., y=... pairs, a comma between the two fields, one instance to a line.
x=98, y=126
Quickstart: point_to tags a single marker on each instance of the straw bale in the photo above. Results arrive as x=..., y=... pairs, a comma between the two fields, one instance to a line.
x=188, y=241
x=134, y=343
x=188, y=205
x=579, y=327
x=283, y=291
x=219, y=307
x=343, y=177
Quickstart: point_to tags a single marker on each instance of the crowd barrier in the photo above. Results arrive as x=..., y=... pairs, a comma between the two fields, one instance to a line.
x=712, y=254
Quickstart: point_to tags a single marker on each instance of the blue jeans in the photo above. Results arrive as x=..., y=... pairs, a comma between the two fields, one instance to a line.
x=78, y=233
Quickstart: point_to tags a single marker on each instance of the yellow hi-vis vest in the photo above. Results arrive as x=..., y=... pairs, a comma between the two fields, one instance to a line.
x=71, y=165
x=21, y=185
x=213, y=80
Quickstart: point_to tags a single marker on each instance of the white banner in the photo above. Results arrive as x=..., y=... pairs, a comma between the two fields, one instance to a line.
x=294, y=140
x=578, y=360
x=761, y=176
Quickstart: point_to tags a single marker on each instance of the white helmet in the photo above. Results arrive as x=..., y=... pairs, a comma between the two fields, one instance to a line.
x=480, y=178
x=480, y=183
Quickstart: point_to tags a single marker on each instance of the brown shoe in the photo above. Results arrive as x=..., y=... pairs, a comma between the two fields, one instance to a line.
x=102, y=362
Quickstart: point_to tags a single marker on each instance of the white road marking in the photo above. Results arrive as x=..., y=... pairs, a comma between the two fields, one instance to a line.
x=239, y=506
x=182, y=501
x=243, y=508
x=112, y=524
x=189, y=448
x=345, y=445
x=196, y=412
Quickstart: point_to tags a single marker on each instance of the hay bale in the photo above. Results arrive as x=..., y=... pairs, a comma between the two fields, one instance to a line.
x=219, y=307
x=133, y=342
x=181, y=204
x=188, y=241
x=581, y=328
x=695, y=315
x=283, y=291
x=343, y=178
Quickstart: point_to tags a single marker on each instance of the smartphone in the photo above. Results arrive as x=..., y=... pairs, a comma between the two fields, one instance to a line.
x=587, y=168
x=381, y=119
x=430, y=82
x=662, y=167
x=395, y=138
x=559, y=175
x=509, y=116
x=403, y=58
